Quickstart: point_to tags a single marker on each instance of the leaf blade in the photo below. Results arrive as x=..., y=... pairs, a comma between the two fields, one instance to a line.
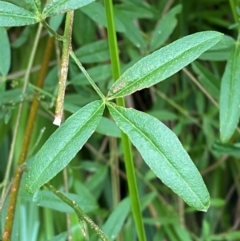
x=230, y=96
x=156, y=142
x=35, y=5
x=164, y=28
x=12, y=15
x=63, y=145
x=163, y=63
x=54, y=7
x=5, y=52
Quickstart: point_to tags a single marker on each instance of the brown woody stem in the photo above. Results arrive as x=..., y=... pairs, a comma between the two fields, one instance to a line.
x=27, y=137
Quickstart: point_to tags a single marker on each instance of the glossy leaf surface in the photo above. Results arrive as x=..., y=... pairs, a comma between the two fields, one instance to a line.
x=164, y=154
x=63, y=145
x=230, y=96
x=163, y=63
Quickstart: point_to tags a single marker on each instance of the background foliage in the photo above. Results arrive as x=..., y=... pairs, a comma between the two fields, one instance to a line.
x=187, y=102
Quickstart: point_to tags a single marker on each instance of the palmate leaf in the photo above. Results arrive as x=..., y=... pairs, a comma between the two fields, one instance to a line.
x=63, y=145
x=230, y=96
x=164, y=154
x=54, y=7
x=163, y=63
x=12, y=15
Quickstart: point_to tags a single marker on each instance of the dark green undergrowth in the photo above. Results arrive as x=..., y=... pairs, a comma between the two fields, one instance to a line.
x=171, y=87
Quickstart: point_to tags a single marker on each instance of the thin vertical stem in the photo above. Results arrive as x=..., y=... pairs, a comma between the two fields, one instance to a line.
x=64, y=68
x=30, y=124
x=128, y=159
x=233, y=8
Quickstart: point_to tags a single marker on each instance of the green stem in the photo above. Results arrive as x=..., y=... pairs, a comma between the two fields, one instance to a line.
x=80, y=66
x=233, y=8
x=64, y=68
x=128, y=159
x=80, y=214
x=52, y=32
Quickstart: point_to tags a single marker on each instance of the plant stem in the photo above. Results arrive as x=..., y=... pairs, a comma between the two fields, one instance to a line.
x=81, y=215
x=80, y=66
x=52, y=32
x=128, y=159
x=30, y=124
x=64, y=68
x=233, y=8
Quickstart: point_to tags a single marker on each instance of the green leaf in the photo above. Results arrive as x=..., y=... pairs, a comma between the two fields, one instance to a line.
x=163, y=63
x=54, y=7
x=230, y=96
x=114, y=223
x=132, y=32
x=12, y=15
x=227, y=149
x=96, y=12
x=5, y=52
x=35, y=5
x=108, y=127
x=48, y=199
x=63, y=145
x=165, y=28
x=209, y=81
x=97, y=51
x=99, y=73
x=220, y=51
x=164, y=154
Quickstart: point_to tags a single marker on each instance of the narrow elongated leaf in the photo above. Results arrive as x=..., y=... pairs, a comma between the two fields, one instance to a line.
x=163, y=63
x=114, y=223
x=219, y=51
x=12, y=15
x=227, y=149
x=63, y=145
x=54, y=7
x=96, y=12
x=5, y=52
x=230, y=96
x=165, y=28
x=35, y=5
x=47, y=199
x=164, y=154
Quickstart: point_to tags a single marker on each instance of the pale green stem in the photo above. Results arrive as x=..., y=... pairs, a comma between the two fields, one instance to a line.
x=64, y=68
x=80, y=66
x=15, y=131
x=80, y=214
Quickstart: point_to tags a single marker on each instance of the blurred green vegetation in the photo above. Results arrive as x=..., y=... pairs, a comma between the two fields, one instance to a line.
x=184, y=102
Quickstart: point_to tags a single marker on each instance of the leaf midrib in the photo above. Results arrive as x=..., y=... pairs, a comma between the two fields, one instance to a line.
x=155, y=146
x=118, y=93
x=66, y=144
